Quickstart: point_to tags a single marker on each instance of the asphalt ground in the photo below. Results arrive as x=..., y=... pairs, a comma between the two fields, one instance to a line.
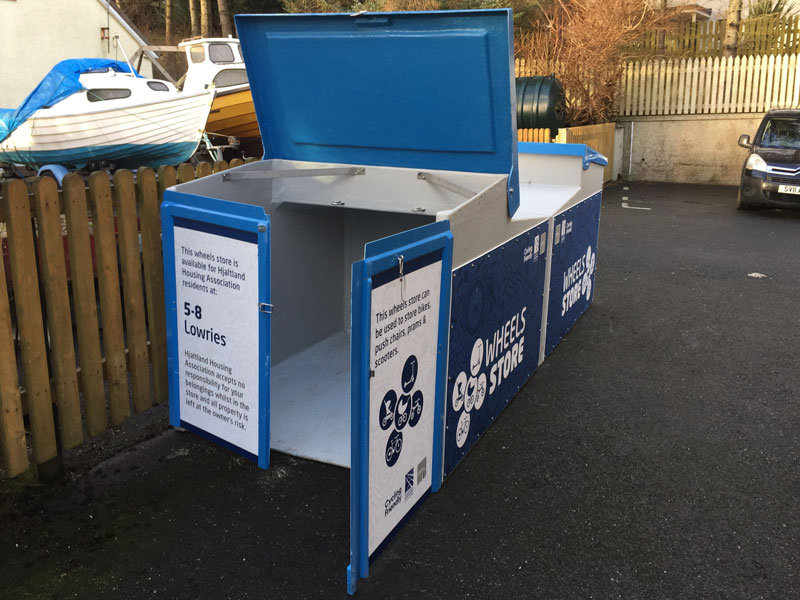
x=654, y=455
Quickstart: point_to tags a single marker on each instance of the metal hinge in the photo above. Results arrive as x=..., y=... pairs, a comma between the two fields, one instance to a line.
x=265, y=308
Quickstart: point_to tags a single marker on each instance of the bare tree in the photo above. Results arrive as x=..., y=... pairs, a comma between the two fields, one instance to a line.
x=225, y=18
x=205, y=18
x=732, y=24
x=193, y=14
x=168, y=33
x=585, y=42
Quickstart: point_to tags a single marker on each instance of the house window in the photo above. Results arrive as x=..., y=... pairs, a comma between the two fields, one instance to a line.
x=198, y=54
x=158, y=86
x=230, y=77
x=100, y=94
x=220, y=53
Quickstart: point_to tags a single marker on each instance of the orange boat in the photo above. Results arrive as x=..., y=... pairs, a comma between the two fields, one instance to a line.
x=218, y=62
x=233, y=114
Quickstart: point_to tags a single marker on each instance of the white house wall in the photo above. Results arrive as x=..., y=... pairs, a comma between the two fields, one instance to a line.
x=719, y=8
x=37, y=34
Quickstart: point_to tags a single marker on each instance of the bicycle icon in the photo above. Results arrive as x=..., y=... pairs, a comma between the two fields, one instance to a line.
x=462, y=429
x=393, y=447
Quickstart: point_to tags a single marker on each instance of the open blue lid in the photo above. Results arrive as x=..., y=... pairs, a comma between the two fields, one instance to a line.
x=432, y=90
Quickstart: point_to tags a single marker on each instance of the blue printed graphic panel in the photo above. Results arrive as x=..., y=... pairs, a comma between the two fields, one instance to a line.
x=573, y=268
x=495, y=331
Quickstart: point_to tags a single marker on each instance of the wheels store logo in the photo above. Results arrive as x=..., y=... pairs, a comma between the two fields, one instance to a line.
x=501, y=354
x=398, y=411
x=578, y=280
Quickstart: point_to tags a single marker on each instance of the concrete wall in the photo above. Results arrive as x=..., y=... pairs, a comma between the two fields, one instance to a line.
x=36, y=34
x=685, y=148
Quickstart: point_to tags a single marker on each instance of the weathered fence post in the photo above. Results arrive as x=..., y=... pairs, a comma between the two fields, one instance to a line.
x=203, y=169
x=12, y=426
x=25, y=277
x=59, y=320
x=85, y=302
x=185, y=173
x=110, y=302
x=131, y=266
x=148, y=199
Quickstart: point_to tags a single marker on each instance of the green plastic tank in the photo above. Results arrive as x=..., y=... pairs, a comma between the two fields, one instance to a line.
x=540, y=103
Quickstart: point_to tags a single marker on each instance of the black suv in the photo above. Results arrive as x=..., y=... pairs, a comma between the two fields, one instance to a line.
x=771, y=173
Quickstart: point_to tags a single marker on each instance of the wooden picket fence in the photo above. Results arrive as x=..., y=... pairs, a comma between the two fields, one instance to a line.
x=598, y=137
x=534, y=135
x=48, y=298
x=743, y=84
x=523, y=68
x=763, y=35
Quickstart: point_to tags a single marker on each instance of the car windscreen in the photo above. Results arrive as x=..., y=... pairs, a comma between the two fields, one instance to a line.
x=781, y=132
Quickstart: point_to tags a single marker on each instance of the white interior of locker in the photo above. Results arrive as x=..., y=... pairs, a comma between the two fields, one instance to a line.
x=539, y=177
x=318, y=228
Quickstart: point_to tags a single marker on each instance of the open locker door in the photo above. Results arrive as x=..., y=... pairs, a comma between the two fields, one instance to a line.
x=400, y=315
x=216, y=281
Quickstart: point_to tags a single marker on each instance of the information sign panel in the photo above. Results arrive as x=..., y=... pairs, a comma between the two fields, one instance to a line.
x=404, y=317
x=216, y=282
x=401, y=303
x=216, y=285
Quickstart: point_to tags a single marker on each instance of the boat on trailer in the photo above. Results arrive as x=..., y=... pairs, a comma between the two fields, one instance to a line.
x=89, y=112
x=217, y=62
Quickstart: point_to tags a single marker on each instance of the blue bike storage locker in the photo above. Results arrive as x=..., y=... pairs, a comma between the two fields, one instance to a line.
x=374, y=292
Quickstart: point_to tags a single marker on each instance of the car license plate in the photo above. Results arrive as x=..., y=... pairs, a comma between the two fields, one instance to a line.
x=789, y=189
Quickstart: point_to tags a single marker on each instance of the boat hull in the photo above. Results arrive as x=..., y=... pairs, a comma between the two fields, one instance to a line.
x=124, y=156
x=146, y=135
x=233, y=114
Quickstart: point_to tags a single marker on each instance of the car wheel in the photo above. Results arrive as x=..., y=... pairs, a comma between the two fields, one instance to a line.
x=741, y=204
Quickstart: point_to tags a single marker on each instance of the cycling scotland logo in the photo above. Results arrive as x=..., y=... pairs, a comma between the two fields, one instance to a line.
x=401, y=410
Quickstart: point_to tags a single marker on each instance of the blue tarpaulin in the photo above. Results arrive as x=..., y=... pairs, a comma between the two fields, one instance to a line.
x=62, y=81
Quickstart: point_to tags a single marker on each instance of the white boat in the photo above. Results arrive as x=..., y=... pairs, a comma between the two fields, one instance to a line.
x=217, y=62
x=112, y=117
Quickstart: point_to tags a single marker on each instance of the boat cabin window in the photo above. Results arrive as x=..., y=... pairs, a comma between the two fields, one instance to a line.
x=198, y=54
x=99, y=94
x=157, y=86
x=220, y=53
x=229, y=77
